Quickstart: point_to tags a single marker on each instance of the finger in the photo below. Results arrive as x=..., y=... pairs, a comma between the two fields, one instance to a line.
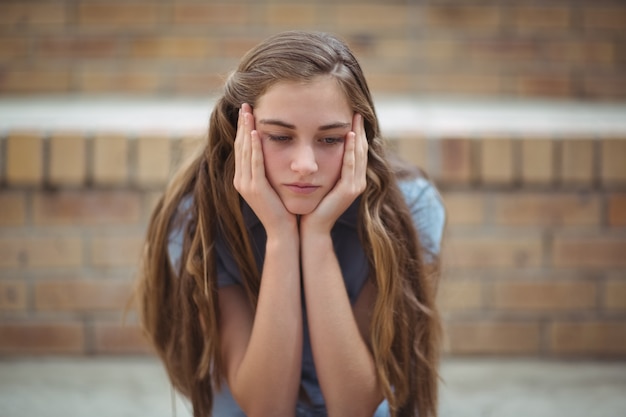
x=347, y=170
x=257, y=166
x=237, y=148
x=246, y=151
x=361, y=148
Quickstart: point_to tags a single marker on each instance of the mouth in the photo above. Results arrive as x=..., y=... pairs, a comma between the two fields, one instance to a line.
x=299, y=188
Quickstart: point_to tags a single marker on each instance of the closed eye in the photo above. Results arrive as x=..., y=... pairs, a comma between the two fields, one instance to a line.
x=279, y=138
x=332, y=140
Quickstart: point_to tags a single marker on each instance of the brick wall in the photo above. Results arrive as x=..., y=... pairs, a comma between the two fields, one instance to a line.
x=534, y=257
x=556, y=48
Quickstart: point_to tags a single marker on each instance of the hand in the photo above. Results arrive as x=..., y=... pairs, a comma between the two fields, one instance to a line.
x=250, y=180
x=349, y=186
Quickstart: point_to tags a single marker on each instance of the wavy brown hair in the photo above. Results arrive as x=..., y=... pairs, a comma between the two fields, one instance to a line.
x=179, y=308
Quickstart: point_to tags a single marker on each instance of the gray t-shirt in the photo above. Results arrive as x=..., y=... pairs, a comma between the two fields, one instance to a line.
x=428, y=215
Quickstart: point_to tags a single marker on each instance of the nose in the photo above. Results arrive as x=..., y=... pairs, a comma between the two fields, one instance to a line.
x=304, y=161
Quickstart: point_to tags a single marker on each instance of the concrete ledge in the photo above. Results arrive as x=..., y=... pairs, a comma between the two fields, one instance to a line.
x=399, y=116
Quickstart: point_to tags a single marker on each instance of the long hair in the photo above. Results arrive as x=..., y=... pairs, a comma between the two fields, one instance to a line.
x=179, y=308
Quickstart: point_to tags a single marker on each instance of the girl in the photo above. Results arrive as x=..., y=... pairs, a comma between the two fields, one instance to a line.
x=288, y=269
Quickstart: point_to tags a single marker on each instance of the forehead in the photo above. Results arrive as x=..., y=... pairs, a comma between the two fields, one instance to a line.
x=320, y=99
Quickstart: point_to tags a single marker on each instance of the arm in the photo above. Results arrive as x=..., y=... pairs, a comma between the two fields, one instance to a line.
x=262, y=350
x=344, y=364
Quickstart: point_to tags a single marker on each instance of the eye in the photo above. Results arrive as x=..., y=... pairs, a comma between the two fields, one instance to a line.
x=332, y=140
x=278, y=138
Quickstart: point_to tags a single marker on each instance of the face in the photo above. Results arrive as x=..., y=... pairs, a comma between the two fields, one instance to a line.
x=303, y=127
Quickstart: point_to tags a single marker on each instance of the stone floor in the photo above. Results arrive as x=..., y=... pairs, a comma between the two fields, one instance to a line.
x=129, y=387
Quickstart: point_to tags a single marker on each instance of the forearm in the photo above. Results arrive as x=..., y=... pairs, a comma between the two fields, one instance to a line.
x=344, y=364
x=268, y=377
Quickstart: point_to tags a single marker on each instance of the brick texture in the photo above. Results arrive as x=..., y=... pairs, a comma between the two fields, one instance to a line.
x=115, y=251
x=591, y=252
x=154, y=156
x=492, y=252
x=577, y=162
x=115, y=338
x=13, y=295
x=464, y=209
x=537, y=163
x=12, y=209
x=547, y=209
x=82, y=295
x=496, y=163
x=613, y=162
x=617, y=210
x=110, y=156
x=590, y=337
x=493, y=337
x=456, y=160
x=42, y=338
x=615, y=295
x=544, y=296
x=40, y=252
x=460, y=295
x=68, y=159
x=24, y=163
x=81, y=208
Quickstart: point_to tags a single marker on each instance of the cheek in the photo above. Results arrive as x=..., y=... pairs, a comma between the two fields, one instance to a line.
x=333, y=163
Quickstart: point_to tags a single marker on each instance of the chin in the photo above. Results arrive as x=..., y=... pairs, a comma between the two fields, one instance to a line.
x=301, y=209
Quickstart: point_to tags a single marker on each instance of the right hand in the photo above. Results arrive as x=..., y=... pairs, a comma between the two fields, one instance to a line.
x=250, y=180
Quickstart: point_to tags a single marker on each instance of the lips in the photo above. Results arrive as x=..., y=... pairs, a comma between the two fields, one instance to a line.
x=299, y=188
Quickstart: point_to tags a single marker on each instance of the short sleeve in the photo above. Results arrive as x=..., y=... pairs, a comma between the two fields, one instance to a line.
x=427, y=211
x=227, y=271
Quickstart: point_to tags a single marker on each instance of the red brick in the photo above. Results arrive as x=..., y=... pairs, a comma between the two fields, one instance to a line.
x=456, y=160
x=615, y=294
x=492, y=252
x=493, y=337
x=131, y=81
x=12, y=208
x=454, y=82
x=15, y=80
x=115, y=251
x=13, y=48
x=613, y=161
x=577, y=162
x=617, y=210
x=13, y=295
x=24, y=165
x=113, y=338
x=40, y=252
x=537, y=161
x=118, y=15
x=496, y=161
x=547, y=209
x=68, y=47
x=172, y=47
x=82, y=295
x=210, y=15
x=86, y=208
x=607, y=86
x=460, y=295
x=453, y=17
x=604, y=18
x=464, y=209
x=581, y=53
x=533, y=296
x=543, y=85
x=32, y=15
x=41, y=338
x=590, y=252
x=532, y=19
x=589, y=337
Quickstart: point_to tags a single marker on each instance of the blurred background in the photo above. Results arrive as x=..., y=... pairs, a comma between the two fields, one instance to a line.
x=516, y=109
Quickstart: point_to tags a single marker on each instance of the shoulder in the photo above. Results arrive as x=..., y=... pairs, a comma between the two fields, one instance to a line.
x=427, y=210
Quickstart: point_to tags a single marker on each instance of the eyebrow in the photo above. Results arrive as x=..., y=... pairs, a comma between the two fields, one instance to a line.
x=277, y=122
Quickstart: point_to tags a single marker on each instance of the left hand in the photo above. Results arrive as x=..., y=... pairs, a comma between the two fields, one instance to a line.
x=350, y=185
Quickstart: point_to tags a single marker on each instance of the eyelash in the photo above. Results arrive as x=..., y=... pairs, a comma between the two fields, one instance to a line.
x=326, y=141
